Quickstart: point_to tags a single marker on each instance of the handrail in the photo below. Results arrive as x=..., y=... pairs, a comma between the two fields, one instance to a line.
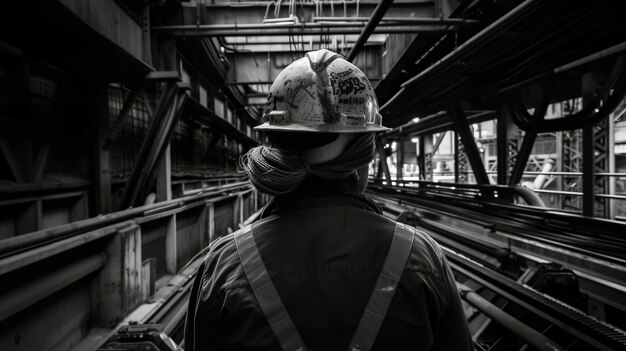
x=612, y=228
x=497, y=193
x=24, y=241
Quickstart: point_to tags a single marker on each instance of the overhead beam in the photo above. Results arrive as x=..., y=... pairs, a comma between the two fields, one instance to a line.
x=314, y=39
x=208, y=31
x=255, y=12
x=439, y=122
x=262, y=68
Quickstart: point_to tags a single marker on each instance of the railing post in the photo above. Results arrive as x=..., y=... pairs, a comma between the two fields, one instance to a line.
x=210, y=225
x=120, y=280
x=171, y=246
x=426, y=157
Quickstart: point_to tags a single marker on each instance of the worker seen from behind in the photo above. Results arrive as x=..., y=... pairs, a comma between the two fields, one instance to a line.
x=322, y=268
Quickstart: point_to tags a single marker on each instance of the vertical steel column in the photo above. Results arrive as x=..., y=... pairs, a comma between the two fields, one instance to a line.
x=119, y=281
x=588, y=171
x=462, y=127
x=611, y=166
x=601, y=146
x=426, y=157
x=506, y=146
x=461, y=167
x=102, y=171
x=571, y=162
x=164, y=176
x=383, y=161
x=400, y=157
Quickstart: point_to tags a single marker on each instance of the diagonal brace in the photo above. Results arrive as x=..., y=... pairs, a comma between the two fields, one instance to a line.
x=461, y=126
x=159, y=132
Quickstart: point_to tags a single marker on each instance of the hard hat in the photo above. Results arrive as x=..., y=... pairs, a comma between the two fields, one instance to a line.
x=322, y=92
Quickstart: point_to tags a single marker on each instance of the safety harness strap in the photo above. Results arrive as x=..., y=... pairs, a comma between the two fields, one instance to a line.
x=265, y=292
x=384, y=290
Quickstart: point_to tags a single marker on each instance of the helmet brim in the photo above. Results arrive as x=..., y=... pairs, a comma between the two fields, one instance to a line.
x=319, y=128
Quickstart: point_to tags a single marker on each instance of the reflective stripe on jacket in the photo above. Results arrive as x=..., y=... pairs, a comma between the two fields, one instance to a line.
x=324, y=250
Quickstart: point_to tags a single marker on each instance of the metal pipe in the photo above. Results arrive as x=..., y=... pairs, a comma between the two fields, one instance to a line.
x=512, y=324
x=529, y=196
x=377, y=15
x=308, y=31
x=35, y=290
x=541, y=178
x=176, y=321
x=412, y=20
x=593, y=57
x=24, y=259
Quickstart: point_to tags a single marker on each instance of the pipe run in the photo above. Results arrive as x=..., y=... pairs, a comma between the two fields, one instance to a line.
x=397, y=20
x=510, y=323
x=35, y=290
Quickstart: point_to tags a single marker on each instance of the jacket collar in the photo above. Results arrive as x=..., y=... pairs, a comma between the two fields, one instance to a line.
x=315, y=193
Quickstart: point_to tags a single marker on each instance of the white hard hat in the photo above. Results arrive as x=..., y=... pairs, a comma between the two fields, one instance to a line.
x=322, y=92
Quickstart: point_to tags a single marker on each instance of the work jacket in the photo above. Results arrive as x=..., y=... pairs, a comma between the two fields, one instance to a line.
x=323, y=246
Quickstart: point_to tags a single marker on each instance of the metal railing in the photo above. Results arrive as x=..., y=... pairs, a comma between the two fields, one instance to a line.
x=111, y=255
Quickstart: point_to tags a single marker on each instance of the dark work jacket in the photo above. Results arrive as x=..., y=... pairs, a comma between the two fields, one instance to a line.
x=324, y=248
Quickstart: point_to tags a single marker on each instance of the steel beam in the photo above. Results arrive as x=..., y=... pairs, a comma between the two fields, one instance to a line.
x=102, y=159
x=119, y=27
x=439, y=122
x=460, y=161
x=462, y=127
x=439, y=140
x=262, y=68
x=205, y=12
x=387, y=21
x=425, y=158
x=400, y=158
x=370, y=27
x=602, y=161
x=383, y=160
x=203, y=31
x=158, y=135
x=506, y=146
x=589, y=188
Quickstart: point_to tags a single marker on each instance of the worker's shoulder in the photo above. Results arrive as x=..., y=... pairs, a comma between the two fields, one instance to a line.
x=426, y=255
x=223, y=250
x=222, y=266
